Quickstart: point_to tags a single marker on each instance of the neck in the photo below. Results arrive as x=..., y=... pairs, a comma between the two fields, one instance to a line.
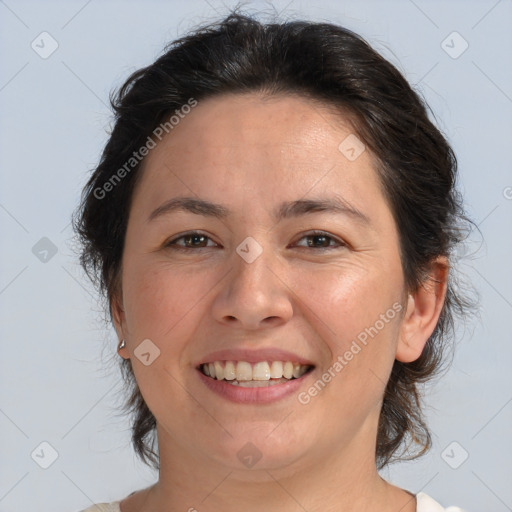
x=344, y=480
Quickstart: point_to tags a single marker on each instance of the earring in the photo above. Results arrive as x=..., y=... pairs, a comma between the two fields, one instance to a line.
x=122, y=344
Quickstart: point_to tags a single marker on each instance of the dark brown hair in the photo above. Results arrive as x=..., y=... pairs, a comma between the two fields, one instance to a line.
x=415, y=164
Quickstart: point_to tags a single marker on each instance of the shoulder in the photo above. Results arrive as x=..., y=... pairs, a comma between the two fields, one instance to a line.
x=104, y=507
x=426, y=504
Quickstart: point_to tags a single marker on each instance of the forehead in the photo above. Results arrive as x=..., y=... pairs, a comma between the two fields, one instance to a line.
x=234, y=121
x=248, y=130
x=246, y=146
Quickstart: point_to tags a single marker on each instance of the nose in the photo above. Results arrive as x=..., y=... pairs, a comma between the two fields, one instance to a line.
x=254, y=295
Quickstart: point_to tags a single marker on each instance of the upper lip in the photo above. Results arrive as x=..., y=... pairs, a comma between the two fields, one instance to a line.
x=254, y=356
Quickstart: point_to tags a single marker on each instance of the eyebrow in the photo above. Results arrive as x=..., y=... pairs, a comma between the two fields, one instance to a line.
x=286, y=210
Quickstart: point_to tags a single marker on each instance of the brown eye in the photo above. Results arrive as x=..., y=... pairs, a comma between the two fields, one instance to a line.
x=192, y=240
x=321, y=240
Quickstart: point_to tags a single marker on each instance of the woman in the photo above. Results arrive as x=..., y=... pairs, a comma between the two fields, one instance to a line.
x=272, y=222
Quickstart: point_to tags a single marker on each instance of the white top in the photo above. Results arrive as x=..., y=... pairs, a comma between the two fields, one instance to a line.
x=425, y=504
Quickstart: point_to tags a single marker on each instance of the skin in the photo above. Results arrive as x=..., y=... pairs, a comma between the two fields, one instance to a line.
x=250, y=153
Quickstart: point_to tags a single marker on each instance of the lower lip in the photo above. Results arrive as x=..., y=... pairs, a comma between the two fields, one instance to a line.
x=243, y=395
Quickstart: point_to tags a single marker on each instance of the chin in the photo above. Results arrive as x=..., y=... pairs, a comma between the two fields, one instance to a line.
x=255, y=450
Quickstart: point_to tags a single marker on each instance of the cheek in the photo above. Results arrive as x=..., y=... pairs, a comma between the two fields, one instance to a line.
x=162, y=304
x=346, y=301
x=158, y=298
x=347, y=308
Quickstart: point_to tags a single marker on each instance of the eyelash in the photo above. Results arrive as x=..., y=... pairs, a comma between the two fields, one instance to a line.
x=171, y=244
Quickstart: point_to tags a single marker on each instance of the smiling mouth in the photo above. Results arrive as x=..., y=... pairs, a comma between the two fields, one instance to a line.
x=255, y=375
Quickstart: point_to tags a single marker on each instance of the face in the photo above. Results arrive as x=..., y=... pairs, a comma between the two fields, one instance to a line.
x=265, y=276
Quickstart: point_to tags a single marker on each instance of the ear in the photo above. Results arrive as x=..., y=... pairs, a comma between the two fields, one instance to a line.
x=118, y=317
x=423, y=309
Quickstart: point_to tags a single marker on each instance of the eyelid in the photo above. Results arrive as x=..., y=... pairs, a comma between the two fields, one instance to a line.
x=172, y=241
x=314, y=232
x=318, y=232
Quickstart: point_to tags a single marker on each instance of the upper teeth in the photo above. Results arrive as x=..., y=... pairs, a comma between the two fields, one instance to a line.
x=242, y=370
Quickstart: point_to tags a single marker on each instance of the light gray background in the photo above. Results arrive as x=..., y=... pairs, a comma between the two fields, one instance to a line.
x=59, y=383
